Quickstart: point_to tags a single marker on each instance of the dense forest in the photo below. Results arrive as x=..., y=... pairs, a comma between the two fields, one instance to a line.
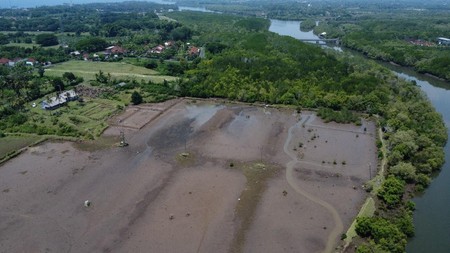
x=402, y=32
x=242, y=61
x=407, y=39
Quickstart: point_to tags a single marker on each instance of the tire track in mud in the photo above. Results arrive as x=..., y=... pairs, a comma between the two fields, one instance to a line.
x=338, y=228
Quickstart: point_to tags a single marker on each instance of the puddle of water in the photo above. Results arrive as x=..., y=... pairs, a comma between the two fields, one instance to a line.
x=239, y=124
x=201, y=113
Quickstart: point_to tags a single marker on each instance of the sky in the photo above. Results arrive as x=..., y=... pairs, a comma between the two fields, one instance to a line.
x=34, y=3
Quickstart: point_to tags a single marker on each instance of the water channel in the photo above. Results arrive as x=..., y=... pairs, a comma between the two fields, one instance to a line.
x=432, y=215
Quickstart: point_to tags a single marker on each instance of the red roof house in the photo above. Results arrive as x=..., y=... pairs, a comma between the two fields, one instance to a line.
x=4, y=61
x=194, y=51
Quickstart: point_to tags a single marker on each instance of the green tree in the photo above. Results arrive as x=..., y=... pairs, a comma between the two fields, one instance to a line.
x=181, y=33
x=136, y=98
x=4, y=39
x=41, y=71
x=405, y=171
x=69, y=77
x=46, y=39
x=91, y=44
x=391, y=191
x=385, y=233
x=58, y=84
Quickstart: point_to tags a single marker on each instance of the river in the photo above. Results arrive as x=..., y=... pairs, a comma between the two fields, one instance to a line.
x=432, y=215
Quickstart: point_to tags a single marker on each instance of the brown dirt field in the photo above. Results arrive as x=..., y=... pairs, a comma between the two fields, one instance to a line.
x=196, y=177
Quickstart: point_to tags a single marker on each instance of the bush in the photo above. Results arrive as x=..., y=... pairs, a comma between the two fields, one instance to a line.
x=136, y=98
x=385, y=233
x=391, y=191
x=405, y=171
x=342, y=116
x=17, y=119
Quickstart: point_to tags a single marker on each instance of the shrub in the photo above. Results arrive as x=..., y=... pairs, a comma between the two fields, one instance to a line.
x=136, y=98
x=391, y=191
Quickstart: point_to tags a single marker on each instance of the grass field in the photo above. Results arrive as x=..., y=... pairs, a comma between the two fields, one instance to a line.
x=88, y=118
x=367, y=210
x=88, y=69
x=11, y=143
x=24, y=45
x=29, y=45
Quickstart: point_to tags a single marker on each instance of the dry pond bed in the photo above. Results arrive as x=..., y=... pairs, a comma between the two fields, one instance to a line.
x=196, y=177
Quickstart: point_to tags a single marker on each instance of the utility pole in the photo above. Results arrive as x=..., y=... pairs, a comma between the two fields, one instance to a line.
x=122, y=143
x=261, y=152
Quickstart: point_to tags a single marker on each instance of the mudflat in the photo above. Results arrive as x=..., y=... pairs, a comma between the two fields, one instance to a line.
x=197, y=176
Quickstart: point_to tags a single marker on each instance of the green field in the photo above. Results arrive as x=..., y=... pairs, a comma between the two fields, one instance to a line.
x=24, y=45
x=367, y=210
x=10, y=144
x=29, y=45
x=120, y=70
x=87, y=118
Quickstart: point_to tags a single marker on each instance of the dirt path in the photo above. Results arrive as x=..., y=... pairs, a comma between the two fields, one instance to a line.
x=338, y=228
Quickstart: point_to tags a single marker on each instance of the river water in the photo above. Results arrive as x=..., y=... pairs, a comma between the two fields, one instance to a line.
x=432, y=215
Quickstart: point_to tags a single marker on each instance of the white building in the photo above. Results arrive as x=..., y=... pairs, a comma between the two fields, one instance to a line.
x=59, y=100
x=443, y=41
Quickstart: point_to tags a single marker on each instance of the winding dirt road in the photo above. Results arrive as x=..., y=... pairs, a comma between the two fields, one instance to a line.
x=338, y=228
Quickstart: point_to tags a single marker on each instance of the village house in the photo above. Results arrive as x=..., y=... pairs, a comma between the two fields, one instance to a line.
x=169, y=43
x=14, y=61
x=157, y=50
x=443, y=41
x=193, y=51
x=30, y=61
x=160, y=48
x=4, y=61
x=421, y=43
x=75, y=53
x=114, y=50
x=60, y=100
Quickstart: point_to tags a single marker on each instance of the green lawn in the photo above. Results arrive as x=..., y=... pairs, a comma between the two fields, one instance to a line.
x=88, y=69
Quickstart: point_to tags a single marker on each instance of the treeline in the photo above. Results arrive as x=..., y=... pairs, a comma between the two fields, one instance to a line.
x=298, y=10
x=407, y=38
x=82, y=18
x=415, y=136
x=280, y=70
x=307, y=25
x=104, y=20
x=42, y=55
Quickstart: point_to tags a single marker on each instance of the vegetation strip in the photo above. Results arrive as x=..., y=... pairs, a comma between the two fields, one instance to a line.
x=257, y=175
